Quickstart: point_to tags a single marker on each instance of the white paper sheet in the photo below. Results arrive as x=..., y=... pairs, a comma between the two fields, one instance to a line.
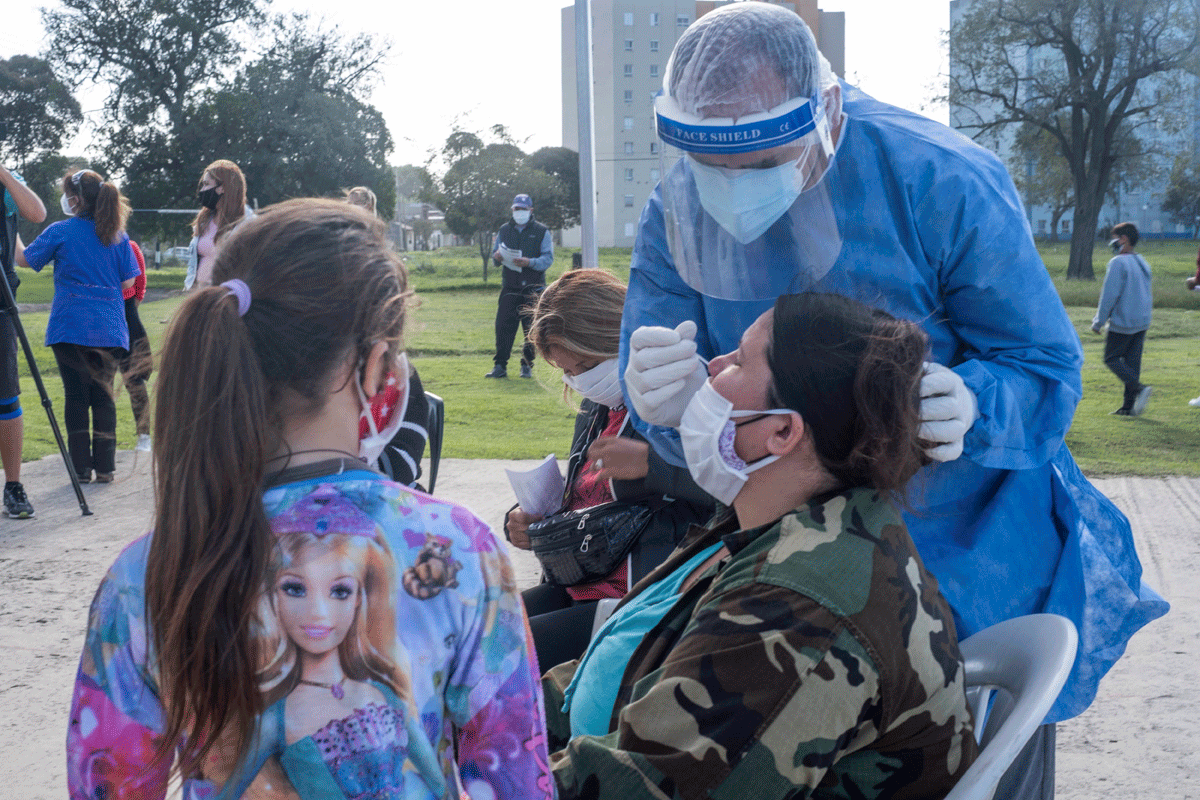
x=506, y=257
x=539, y=490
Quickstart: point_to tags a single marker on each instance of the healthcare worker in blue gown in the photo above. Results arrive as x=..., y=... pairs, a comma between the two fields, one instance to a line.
x=778, y=178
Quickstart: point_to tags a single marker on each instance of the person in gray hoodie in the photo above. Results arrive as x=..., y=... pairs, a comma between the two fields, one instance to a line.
x=1126, y=305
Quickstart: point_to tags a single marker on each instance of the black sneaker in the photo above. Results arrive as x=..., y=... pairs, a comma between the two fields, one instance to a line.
x=498, y=371
x=16, y=504
x=1121, y=412
x=526, y=372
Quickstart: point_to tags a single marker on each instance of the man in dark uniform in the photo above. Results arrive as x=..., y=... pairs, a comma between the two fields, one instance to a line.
x=526, y=251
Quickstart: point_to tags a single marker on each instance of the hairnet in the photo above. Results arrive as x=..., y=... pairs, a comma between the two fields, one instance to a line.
x=714, y=58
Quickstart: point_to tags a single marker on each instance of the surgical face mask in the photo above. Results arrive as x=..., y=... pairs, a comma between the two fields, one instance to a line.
x=1115, y=244
x=708, y=432
x=521, y=215
x=382, y=415
x=64, y=203
x=746, y=202
x=209, y=198
x=599, y=384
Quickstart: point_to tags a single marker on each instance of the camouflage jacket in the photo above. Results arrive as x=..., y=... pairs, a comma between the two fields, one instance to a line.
x=818, y=660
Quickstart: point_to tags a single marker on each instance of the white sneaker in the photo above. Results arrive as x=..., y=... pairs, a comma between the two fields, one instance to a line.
x=143, y=445
x=1194, y=402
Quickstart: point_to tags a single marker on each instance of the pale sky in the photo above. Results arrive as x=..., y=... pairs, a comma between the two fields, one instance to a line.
x=472, y=62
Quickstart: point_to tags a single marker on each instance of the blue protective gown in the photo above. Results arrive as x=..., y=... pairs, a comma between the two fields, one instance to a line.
x=933, y=231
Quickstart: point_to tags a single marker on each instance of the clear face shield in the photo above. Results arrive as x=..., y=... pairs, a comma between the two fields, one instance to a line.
x=746, y=205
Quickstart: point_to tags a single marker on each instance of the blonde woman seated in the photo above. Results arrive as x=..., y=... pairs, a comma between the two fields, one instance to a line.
x=577, y=328
x=797, y=647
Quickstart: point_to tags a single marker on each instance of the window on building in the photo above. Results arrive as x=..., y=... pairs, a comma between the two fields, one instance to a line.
x=628, y=96
x=629, y=44
x=1041, y=226
x=629, y=70
x=629, y=229
x=629, y=18
x=1066, y=226
x=629, y=148
x=654, y=45
x=653, y=18
x=654, y=70
x=629, y=123
x=682, y=21
x=654, y=175
x=629, y=201
x=629, y=174
x=654, y=148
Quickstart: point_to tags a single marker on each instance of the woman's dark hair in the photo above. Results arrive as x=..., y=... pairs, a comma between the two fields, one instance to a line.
x=325, y=286
x=853, y=373
x=100, y=201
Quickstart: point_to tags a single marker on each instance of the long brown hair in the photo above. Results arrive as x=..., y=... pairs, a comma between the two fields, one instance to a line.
x=853, y=373
x=325, y=286
x=100, y=201
x=231, y=205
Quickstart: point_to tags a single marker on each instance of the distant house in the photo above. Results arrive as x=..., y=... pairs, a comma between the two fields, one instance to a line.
x=421, y=226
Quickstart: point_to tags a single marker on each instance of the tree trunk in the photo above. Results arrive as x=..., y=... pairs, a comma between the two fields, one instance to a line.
x=484, y=252
x=1083, y=239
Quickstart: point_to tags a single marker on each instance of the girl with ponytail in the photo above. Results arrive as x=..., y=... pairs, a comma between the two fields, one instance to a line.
x=93, y=264
x=296, y=623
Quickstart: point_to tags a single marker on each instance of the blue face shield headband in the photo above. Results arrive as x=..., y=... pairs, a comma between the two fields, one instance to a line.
x=787, y=123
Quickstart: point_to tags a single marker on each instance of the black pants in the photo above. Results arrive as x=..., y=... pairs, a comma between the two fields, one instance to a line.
x=1123, y=355
x=136, y=366
x=561, y=627
x=87, y=376
x=516, y=305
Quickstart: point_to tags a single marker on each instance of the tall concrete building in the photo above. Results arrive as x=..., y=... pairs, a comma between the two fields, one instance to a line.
x=631, y=42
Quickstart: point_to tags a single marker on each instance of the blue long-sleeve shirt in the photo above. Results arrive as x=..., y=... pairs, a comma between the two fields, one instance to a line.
x=1126, y=302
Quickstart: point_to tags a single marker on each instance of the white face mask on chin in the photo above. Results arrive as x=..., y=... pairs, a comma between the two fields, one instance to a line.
x=707, y=432
x=599, y=384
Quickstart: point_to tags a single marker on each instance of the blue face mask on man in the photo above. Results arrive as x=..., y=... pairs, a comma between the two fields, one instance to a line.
x=746, y=202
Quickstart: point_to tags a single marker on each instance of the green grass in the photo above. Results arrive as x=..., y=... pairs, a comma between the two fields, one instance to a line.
x=450, y=339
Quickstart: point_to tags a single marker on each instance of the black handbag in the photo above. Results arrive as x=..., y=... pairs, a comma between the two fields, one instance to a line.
x=588, y=544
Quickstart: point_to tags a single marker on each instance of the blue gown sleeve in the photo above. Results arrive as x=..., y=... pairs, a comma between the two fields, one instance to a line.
x=657, y=296
x=1016, y=349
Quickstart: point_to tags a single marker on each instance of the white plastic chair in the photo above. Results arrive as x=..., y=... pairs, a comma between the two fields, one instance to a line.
x=1025, y=662
x=604, y=610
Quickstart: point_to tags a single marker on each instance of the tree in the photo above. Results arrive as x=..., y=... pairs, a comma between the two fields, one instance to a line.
x=1077, y=69
x=296, y=120
x=1041, y=174
x=559, y=209
x=1182, y=201
x=477, y=188
x=37, y=108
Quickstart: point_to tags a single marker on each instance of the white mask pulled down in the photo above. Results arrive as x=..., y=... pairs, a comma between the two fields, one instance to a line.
x=383, y=414
x=600, y=384
x=521, y=215
x=707, y=432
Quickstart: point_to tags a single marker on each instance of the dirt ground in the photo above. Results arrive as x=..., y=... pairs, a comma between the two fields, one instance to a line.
x=1137, y=740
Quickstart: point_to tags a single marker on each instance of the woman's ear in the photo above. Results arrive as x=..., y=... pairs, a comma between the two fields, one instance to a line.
x=787, y=435
x=375, y=371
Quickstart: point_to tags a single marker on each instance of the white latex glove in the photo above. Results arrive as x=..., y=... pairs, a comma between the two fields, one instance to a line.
x=948, y=410
x=663, y=372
